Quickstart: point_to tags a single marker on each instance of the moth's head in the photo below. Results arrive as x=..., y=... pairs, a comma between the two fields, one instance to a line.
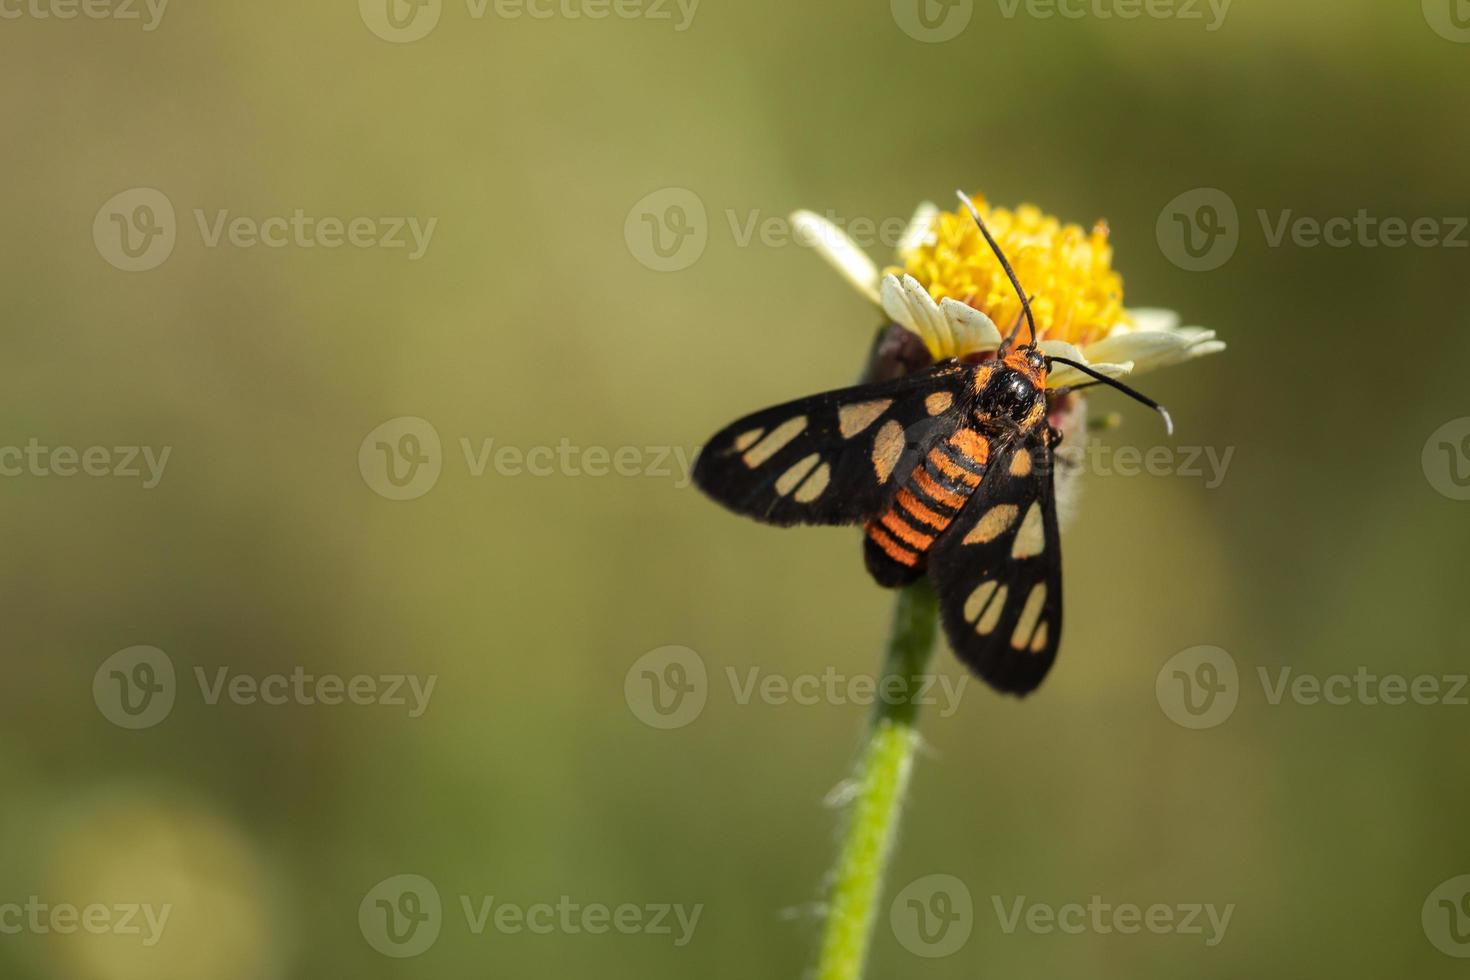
x=1028, y=361
x=1016, y=389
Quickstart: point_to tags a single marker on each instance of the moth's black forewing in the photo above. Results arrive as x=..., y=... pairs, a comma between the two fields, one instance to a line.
x=998, y=569
x=832, y=458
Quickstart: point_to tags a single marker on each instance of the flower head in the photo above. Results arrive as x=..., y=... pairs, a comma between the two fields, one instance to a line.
x=951, y=291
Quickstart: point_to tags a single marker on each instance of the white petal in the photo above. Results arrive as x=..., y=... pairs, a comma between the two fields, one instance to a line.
x=896, y=304
x=841, y=252
x=923, y=305
x=920, y=228
x=1150, y=349
x=973, y=330
x=1208, y=347
x=1064, y=374
x=1060, y=348
x=1151, y=318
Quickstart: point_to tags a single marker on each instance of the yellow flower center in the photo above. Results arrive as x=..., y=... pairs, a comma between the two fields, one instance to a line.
x=1076, y=295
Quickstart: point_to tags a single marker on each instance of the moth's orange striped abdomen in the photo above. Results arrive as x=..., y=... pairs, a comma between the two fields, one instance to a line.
x=923, y=508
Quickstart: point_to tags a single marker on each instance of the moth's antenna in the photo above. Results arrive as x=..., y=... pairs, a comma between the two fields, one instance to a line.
x=1114, y=383
x=1025, y=303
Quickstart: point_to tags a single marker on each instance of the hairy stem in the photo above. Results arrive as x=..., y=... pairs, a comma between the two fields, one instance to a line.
x=881, y=782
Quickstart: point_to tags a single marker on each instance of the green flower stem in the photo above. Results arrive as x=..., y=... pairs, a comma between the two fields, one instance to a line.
x=882, y=780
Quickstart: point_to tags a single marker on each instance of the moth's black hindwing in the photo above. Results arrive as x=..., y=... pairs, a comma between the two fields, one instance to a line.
x=837, y=457
x=998, y=569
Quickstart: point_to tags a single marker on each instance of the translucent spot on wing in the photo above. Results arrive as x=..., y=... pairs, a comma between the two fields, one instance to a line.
x=995, y=522
x=775, y=442
x=1031, y=539
x=852, y=419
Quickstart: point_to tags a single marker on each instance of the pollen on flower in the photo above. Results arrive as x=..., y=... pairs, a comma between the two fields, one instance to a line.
x=1068, y=272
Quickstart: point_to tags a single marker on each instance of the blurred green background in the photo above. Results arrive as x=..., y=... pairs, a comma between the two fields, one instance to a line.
x=533, y=319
